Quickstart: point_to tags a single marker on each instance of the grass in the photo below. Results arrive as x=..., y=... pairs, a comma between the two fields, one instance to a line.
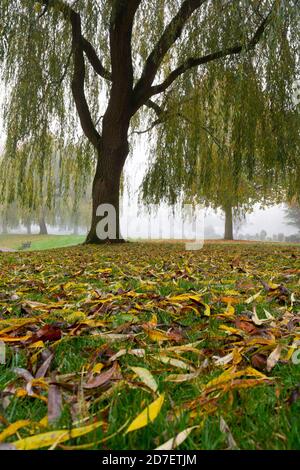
x=39, y=242
x=122, y=288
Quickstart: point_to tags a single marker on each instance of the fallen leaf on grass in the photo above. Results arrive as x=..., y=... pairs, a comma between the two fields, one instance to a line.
x=252, y=298
x=174, y=362
x=274, y=357
x=54, y=401
x=224, y=428
x=177, y=440
x=47, y=439
x=13, y=428
x=146, y=377
x=147, y=415
x=111, y=374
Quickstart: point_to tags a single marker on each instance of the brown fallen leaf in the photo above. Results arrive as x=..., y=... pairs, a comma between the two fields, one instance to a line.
x=46, y=333
x=224, y=428
x=294, y=396
x=41, y=372
x=111, y=374
x=259, y=361
x=54, y=401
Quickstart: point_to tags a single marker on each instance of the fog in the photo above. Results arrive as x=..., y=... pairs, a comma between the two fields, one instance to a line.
x=271, y=219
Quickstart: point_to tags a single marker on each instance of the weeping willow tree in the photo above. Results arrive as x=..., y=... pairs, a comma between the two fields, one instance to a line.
x=238, y=141
x=123, y=61
x=43, y=182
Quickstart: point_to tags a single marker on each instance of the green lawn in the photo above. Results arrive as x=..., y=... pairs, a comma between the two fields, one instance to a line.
x=186, y=318
x=39, y=242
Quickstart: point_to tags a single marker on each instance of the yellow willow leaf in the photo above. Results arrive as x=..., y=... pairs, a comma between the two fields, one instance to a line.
x=231, y=300
x=157, y=335
x=182, y=297
x=178, y=378
x=263, y=341
x=273, y=286
x=44, y=421
x=252, y=373
x=230, y=292
x=9, y=339
x=196, y=298
x=252, y=298
x=206, y=310
x=37, y=345
x=93, y=323
x=13, y=428
x=48, y=438
x=174, y=362
x=147, y=415
x=230, y=330
x=230, y=374
x=176, y=441
x=191, y=347
x=237, y=357
x=230, y=310
x=97, y=368
x=153, y=322
x=146, y=377
x=15, y=323
x=224, y=377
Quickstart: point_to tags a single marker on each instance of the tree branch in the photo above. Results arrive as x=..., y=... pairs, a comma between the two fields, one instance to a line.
x=195, y=62
x=78, y=79
x=94, y=60
x=143, y=91
x=171, y=33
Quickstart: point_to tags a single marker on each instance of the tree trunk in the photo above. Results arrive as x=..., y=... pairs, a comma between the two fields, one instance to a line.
x=43, y=226
x=105, y=226
x=228, y=223
x=4, y=228
x=75, y=222
x=5, y=224
x=28, y=227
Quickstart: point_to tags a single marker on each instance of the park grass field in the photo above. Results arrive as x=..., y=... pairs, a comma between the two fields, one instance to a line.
x=39, y=242
x=129, y=346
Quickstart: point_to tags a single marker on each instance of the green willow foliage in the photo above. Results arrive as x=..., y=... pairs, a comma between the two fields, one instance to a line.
x=237, y=143
x=36, y=59
x=230, y=134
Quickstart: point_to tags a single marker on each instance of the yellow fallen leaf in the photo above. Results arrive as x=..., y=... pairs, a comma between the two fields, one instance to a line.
x=157, y=335
x=174, y=362
x=146, y=377
x=13, y=428
x=48, y=438
x=37, y=345
x=252, y=298
x=231, y=374
x=182, y=377
x=97, y=368
x=10, y=339
x=206, y=310
x=147, y=415
x=177, y=440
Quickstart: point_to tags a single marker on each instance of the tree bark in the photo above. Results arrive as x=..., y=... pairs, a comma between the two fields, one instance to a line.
x=228, y=223
x=28, y=227
x=43, y=226
x=106, y=190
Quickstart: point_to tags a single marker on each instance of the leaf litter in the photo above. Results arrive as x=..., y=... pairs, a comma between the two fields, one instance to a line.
x=153, y=318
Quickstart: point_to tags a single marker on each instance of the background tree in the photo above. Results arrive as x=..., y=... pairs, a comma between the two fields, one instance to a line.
x=45, y=187
x=236, y=160
x=118, y=56
x=293, y=215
